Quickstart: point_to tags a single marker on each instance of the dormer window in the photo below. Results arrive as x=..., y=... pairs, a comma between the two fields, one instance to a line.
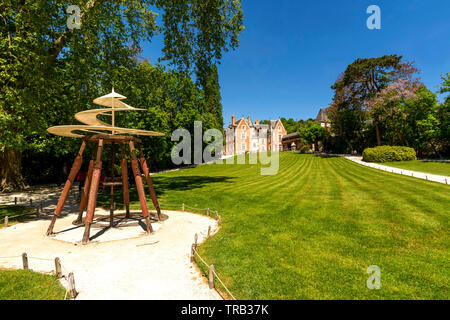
x=243, y=128
x=279, y=129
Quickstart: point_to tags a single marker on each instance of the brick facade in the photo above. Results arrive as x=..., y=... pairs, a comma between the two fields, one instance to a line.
x=245, y=136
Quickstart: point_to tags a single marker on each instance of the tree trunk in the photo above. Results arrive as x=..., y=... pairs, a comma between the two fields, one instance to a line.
x=11, y=171
x=377, y=128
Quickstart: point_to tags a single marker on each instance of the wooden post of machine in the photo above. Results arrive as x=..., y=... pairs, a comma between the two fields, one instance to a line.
x=87, y=186
x=93, y=190
x=140, y=186
x=125, y=191
x=111, y=199
x=146, y=172
x=65, y=193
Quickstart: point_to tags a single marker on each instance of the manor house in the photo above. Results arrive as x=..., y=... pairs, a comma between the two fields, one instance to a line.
x=245, y=136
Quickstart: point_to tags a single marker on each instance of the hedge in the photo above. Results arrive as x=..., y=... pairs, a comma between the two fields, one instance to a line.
x=388, y=153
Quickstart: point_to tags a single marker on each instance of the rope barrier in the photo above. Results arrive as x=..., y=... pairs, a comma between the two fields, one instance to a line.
x=221, y=282
x=23, y=214
x=195, y=251
x=224, y=285
x=47, y=272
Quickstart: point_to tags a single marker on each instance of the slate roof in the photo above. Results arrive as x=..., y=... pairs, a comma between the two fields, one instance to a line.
x=291, y=135
x=322, y=116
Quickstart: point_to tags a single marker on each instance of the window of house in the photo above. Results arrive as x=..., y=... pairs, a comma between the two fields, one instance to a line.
x=243, y=135
x=279, y=137
x=243, y=147
x=279, y=129
x=243, y=127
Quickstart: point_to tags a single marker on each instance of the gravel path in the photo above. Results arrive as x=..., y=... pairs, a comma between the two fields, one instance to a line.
x=148, y=267
x=415, y=174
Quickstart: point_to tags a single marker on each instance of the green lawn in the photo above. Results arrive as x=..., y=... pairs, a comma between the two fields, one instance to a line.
x=29, y=285
x=12, y=210
x=311, y=231
x=440, y=168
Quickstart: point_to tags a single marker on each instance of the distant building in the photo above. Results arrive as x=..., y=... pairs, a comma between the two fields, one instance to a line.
x=322, y=118
x=293, y=142
x=243, y=136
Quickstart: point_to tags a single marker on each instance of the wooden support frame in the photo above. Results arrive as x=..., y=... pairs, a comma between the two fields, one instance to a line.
x=111, y=199
x=89, y=196
x=140, y=187
x=125, y=191
x=87, y=185
x=149, y=182
x=65, y=193
x=93, y=192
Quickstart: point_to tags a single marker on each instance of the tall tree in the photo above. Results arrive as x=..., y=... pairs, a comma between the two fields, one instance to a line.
x=363, y=79
x=48, y=71
x=212, y=98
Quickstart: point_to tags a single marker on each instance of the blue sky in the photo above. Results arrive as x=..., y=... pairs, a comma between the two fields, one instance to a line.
x=292, y=51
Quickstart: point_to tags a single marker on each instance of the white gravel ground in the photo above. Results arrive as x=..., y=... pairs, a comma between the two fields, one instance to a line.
x=153, y=266
x=415, y=174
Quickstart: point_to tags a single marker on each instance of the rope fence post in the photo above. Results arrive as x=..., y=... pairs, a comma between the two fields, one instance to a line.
x=207, y=211
x=25, y=261
x=58, y=268
x=211, y=277
x=209, y=232
x=6, y=222
x=217, y=215
x=31, y=202
x=195, y=241
x=73, y=291
x=192, y=252
x=15, y=200
x=219, y=221
x=40, y=208
x=182, y=207
x=446, y=181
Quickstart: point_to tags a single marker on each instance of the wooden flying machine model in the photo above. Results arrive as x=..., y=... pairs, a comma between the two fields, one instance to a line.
x=101, y=133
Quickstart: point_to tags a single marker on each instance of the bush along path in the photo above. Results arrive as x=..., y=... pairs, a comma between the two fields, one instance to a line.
x=415, y=174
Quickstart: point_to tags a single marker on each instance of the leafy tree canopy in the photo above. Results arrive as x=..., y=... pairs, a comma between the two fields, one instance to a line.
x=48, y=71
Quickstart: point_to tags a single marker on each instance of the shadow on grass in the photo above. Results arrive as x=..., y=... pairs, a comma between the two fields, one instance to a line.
x=164, y=185
x=326, y=156
x=23, y=213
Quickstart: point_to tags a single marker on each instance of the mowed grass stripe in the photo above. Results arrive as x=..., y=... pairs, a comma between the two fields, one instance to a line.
x=311, y=231
x=406, y=189
x=390, y=201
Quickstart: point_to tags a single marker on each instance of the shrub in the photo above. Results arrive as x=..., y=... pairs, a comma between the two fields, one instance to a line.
x=388, y=154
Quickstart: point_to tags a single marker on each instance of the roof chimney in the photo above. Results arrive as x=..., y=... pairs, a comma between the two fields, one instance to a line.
x=233, y=120
x=256, y=121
